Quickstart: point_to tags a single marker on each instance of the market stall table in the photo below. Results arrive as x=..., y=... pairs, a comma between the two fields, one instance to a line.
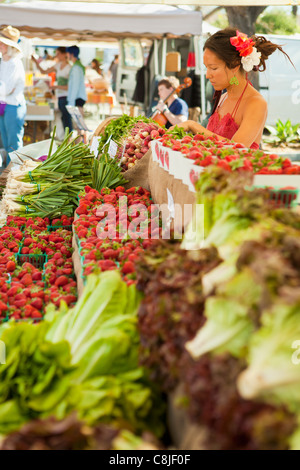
x=36, y=113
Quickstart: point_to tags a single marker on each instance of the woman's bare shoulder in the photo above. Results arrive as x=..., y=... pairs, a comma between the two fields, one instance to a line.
x=256, y=99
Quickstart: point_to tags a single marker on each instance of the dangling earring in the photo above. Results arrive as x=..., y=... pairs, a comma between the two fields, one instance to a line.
x=233, y=81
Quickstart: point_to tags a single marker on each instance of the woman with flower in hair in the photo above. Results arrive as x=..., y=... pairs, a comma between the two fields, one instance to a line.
x=240, y=113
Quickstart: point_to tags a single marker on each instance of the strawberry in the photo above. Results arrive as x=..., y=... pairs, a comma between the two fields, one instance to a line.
x=37, y=303
x=69, y=299
x=128, y=267
x=26, y=279
x=82, y=209
x=27, y=241
x=37, y=276
x=67, y=271
x=36, y=314
x=13, y=291
x=11, y=266
x=61, y=281
x=20, y=303
x=109, y=253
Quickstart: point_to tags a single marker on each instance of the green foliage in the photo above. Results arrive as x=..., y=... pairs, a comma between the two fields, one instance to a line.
x=83, y=359
x=276, y=21
x=221, y=21
x=283, y=133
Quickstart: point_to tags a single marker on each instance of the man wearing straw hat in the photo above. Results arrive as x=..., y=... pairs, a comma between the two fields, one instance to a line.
x=12, y=82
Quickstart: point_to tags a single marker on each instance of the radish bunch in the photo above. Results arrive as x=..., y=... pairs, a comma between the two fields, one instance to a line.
x=137, y=143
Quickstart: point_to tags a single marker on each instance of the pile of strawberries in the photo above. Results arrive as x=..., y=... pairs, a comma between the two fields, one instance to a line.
x=229, y=155
x=25, y=294
x=114, y=237
x=27, y=284
x=40, y=242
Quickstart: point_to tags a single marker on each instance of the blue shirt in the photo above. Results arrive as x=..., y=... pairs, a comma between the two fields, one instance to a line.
x=76, y=85
x=178, y=107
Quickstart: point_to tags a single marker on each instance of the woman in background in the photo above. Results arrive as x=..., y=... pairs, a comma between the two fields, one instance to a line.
x=95, y=66
x=62, y=71
x=12, y=83
x=113, y=69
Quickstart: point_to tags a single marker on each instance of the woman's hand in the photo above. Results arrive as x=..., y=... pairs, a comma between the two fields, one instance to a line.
x=191, y=126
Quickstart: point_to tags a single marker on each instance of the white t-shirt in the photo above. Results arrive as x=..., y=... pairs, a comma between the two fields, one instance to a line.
x=62, y=76
x=12, y=81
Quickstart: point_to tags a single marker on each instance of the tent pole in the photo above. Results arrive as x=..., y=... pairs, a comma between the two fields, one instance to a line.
x=163, y=57
x=155, y=58
x=199, y=43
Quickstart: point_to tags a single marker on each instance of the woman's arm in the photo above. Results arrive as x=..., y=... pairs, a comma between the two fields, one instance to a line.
x=253, y=121
x=196, y=128
x=59, y=87
x=49, y=70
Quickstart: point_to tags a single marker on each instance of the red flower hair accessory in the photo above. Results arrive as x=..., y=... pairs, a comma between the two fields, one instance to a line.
x=250, y=55
x=242, y=43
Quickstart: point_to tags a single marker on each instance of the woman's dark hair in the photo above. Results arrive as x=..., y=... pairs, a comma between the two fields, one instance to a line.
x=219, y=43
x=62, y=49
x=97, y=66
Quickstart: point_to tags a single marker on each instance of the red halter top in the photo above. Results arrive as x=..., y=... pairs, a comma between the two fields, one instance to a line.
x=226, y=126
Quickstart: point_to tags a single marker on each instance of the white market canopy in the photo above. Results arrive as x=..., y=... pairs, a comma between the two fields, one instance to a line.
x=98, y=21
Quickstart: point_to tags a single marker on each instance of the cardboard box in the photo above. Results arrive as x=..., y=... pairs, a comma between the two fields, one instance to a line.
x=40, y=110
x=173, y=62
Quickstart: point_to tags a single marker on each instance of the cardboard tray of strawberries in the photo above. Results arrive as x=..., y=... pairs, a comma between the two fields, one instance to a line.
x=185, y=159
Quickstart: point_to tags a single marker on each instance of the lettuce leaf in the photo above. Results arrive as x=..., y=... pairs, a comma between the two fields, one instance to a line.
x=273, y=372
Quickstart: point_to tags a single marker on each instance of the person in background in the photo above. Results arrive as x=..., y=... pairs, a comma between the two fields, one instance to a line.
x=175, y=109
x=46, y=55
x=240, y=113
x=77, y=95
x=12, y=83
x=96, y=66
x=62, y=70
x=113, y=68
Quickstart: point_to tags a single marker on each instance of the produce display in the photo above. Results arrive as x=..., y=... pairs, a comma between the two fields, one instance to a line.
x=50, y=188
x=246, y=317
x=106, y=314
x=228, y=155
x=35, y=266
x=83, y=359
x=113, y=228
x=132, y=136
